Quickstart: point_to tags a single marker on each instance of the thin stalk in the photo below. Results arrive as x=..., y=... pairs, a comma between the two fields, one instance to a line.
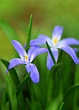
x=21, y=84
x=50, y=52
x=29, y=34
x=51, y=84
x=67, y=93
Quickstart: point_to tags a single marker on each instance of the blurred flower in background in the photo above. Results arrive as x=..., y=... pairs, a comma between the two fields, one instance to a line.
x=46, y=14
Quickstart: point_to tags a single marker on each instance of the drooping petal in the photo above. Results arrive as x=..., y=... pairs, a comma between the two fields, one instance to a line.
x=41, y=40
x=55, y=53
x=70, y=41
x=50, y=62
x=34, y=74
x=36, y=51
x=70, y=51
x=57, y=32
x=19, y=48
x=14, y=62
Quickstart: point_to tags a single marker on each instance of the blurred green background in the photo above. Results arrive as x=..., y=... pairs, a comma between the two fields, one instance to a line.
x=46, y=14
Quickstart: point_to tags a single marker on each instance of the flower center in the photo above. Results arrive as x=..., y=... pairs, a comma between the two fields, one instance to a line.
x=55, y=41
x=26, y=58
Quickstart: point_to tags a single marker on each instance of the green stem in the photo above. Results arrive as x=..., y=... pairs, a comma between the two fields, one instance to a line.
x=19, y=94
x=68, y=92
x=50, y=89
x=60, y=86
x=51, y=84
x=21, y=84
x=50, y=52
x=76, y=81
x=29, y=34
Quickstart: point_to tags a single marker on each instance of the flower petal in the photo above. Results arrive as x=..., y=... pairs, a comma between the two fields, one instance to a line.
x=50, y=62
x=34, y=51
x=34, y=74
x=70, y=51
x=78, y=60
x=19, y=48
x=41, y=40
x=70, y=41
x=55, y=53
x=57, y=32
x=76, y=50
x=14, y=62
x=24, y=45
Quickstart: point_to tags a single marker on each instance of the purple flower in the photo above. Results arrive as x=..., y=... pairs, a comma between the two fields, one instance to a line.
x=27, y=59
x=55, y=43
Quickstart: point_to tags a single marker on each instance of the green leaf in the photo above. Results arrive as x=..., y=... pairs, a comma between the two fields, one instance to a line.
x=50, y=52
x=21, y=84
x=12, y=83
x=4, y=103
x=51, y=83
x=70, y=90
x=67, y=94
x=8, y=30
x=55, y=68
x=12, y=92
x=12, y=78
x=29, y=34
x=12, y=73
x=60, y=108
x=54, y=104
x=76, y=81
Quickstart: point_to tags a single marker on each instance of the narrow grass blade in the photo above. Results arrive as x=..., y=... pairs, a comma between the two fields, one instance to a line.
x=12, y=73
x=51, y=84
x=13, y=77
x=12, y=92
x=21, y=84
x=29, y=34
x=50, y=52
x=67, y=94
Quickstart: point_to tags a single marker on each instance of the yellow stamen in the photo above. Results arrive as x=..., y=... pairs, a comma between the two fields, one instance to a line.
x=26, y=58
x=55, y=40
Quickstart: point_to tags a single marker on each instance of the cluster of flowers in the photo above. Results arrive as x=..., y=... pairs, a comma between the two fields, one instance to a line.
x=35, y=49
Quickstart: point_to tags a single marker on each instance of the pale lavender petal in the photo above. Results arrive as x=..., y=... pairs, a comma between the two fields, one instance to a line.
x=7, y=71
x=32, y=49
x=78, y=60
x=24, y=46
x=14, y=62
x=41, y=40
x=50, y=62
x=34, y=74
x=57, y=32
x=19, y=48
x=36, y=52
x=55, y=53
x=70, y=41
x=76, y=50
x=70, y=51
